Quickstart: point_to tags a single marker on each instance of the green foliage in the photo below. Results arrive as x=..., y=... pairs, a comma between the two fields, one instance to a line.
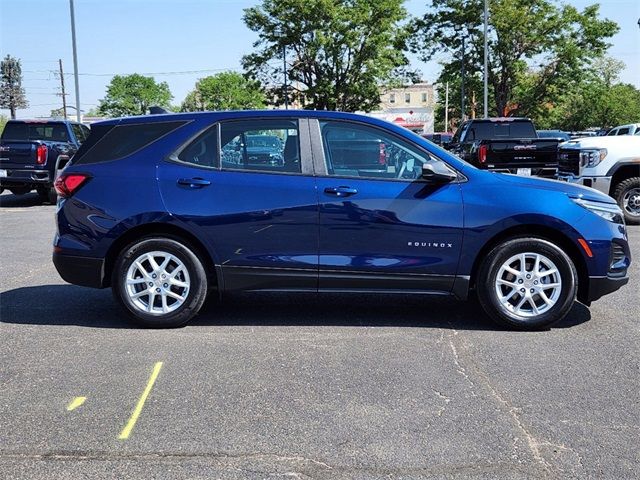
x=224, y=91
x=3, y=121
x=12, y=94
x=339, y=52
x=597, y=99
x=537, y=48
x=133, y=95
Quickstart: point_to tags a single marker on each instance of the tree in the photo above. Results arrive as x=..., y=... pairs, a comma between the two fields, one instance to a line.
x=224, y=91
x=339, y=52
x=133, y=95
x=11, y=92
x=549, y=45
x=597, y=100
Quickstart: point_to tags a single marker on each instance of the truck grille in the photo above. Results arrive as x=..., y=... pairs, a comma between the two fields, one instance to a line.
x=569, y=161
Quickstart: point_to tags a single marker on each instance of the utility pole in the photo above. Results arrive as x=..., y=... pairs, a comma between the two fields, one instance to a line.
x=446, y=108
x=486, y=61
x=284, y=72
x=63, y=92
x=75, y=60
x=462, y=86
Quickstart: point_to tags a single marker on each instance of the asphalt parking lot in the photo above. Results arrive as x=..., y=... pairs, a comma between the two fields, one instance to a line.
x=280, y=386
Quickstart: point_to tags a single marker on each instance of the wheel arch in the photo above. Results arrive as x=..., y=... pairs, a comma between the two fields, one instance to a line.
x=623, y=171
x=167, y=230
x=545, y=233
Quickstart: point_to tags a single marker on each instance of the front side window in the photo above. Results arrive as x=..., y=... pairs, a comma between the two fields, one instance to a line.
x=355, y=150
x=271, y=145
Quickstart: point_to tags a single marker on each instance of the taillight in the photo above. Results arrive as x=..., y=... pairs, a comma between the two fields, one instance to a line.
x=41, y=154
x=67, y=184
x=482, y=154
x=382, y=158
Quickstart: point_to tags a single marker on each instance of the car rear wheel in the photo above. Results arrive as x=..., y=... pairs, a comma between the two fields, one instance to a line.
x=48, y=194
x=527, y=283
x=627, y=194
x=160, y=282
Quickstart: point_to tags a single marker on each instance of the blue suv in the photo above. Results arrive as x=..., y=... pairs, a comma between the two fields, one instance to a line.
x=165, y=209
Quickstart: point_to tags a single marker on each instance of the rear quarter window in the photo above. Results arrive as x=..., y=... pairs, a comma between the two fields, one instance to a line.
x=109, y=142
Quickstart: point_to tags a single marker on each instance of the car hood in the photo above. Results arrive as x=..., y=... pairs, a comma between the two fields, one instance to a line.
x=570, y=189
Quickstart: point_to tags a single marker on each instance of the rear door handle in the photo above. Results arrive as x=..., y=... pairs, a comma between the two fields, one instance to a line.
x=340, y=191
x=194, y=182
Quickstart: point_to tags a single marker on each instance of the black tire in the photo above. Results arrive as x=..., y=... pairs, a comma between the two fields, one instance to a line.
x=197, y=290
x=48, y=194
x=622, y=189
x=486, y=282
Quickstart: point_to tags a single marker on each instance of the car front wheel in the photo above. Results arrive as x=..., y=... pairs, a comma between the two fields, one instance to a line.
x=527, y=283
x=160, y=282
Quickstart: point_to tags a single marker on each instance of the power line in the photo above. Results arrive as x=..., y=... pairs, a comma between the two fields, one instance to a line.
x=184, y=72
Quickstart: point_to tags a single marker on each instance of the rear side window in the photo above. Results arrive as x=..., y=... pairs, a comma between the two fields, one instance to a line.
x=203, y=151
x=269, y=145
x=497, y=130
x=55, y=132
x=108, y=142
x=623, y=131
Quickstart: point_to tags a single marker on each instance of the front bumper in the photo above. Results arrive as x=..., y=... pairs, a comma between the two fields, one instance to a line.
x=600, y=286
x=19, y=178
x=602, y=184
x=84, y=271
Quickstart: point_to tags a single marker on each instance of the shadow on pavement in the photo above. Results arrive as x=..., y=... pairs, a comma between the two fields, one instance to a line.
x=71, y=305
x=27, y=200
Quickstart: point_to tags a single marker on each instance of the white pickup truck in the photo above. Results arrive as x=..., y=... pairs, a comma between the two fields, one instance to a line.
x=610, y=164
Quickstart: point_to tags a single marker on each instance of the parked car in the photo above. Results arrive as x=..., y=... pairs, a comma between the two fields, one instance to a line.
x=583, y=134
x=609, y=164
x=557, y=134
x=508, y=145
x=33, y=151
x=147, y=208
x=439, y=138
x=631, y=129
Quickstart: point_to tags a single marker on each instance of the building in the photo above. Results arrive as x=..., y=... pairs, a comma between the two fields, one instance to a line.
x=411, y=106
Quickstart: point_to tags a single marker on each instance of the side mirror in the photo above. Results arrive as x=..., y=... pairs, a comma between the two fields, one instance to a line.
x=437, y=172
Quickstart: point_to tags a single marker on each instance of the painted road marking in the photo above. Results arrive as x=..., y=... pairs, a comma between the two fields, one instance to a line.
x=75, y=403
x=126, y=431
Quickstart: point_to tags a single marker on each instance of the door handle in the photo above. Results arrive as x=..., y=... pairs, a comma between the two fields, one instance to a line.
x=194, y=182
x=340, y=191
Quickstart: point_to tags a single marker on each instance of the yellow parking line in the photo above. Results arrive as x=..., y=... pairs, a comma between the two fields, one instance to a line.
x=75, y=403
x=126, y=431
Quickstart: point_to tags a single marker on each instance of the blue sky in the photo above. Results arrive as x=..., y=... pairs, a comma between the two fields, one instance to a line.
x=165, y=36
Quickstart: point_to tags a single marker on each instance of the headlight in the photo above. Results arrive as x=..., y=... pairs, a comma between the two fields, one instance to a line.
x=608, y=211
x=591, y=158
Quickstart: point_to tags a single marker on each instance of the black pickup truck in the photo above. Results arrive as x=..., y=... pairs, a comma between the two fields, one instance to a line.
x=33, y=151
x=508, y=145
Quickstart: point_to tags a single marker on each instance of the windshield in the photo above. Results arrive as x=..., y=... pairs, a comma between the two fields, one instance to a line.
x=56, y=132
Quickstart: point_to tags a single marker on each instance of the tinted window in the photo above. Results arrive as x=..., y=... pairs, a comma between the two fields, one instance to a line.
x=497, y=130
x=353, y=150
x=203, y=151
x=80, y=132
x=56, y=132
x=623, y=131
x=261, y=145
x=110, y=143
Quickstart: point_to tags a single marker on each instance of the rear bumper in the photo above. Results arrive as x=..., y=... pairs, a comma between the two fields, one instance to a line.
x=19, y=178
x=601, y=286
x=84, y=271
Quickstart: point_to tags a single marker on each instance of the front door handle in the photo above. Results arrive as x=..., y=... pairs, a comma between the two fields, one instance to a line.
x=194, y=182
x=340, y=191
